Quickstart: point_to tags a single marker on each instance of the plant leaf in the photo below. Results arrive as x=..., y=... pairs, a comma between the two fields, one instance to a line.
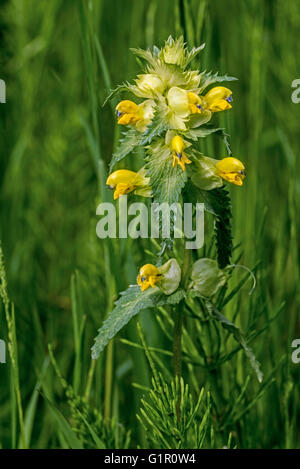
x=131, y=139
x=215, y=313
x=145, y=55
x=194, y=134
x=131, y=302
x=190, y=55
x=154, y=129
x=208, y=78
x=116, y=91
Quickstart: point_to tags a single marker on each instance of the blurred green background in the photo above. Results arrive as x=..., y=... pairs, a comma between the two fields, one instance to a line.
x=59, y=60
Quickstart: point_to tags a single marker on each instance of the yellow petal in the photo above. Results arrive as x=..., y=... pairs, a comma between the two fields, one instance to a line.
x=148, y=276
x=127, y=107
x=181, y=160
x=232, y=170
x=230, y=164
x=177, y=144
x=121, y=176
x=122, y=189
x=219, y=105
x=127, y=119
x=218, y=99
x=196, y=103
x=218, y=92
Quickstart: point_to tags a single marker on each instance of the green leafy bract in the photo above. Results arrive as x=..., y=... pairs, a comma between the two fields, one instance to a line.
x=154, y=129
x=239, y=337
x=132, y=138
x=208, y=78
x=166, y=182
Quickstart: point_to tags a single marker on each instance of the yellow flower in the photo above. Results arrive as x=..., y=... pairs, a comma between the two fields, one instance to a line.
x=127, y=112
x=148, y=276
x=130, y=113
x=218, y=99
x=179, y=157
x=167, y=277
x=124, y=181
x=196, y=103
x=232, y=170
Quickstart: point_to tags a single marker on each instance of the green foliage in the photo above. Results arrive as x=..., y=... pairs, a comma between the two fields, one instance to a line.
x=219, y=203
x=239, y=337
x=203, y=132
x=85, y=427
x=131, y=302
x=154, y=129
x=166, y=181
x=132, y=138
x=158, y=415
x=208, y=78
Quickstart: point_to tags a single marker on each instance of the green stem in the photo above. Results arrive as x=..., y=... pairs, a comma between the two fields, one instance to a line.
x=178, y=322
x=108, y=381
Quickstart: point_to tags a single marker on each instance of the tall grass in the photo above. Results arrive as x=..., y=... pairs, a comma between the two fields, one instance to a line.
x=59, y=59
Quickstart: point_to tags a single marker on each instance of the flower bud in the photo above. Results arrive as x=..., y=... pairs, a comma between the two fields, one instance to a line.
x=149, y=83
x=173, y=52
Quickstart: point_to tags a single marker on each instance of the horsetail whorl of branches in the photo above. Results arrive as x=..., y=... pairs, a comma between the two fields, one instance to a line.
x=170, y=109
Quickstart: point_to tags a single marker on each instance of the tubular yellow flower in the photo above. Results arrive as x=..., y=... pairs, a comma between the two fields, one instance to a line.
x=127, y=112
x=179, y=157
x=218, y=99
x=196, y=103
x=148, y=276
x=232, y=170
x=140, y=115
x=124, y=181
x=166, y=277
